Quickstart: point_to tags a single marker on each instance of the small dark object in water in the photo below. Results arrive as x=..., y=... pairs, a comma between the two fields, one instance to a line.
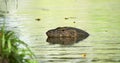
x=69, y=18
x=84, y=55
x=66, y=35
x=74, y=22
x=38, y=19
x=66, y=18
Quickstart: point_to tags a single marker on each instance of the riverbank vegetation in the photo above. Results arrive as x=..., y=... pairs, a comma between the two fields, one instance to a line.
x=12, y=49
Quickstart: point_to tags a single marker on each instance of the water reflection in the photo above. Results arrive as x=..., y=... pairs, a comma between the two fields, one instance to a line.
x=64, y=40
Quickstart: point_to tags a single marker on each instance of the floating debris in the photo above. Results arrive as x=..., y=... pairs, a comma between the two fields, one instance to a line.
x=74, y=22
x=38, y=19
x=84, y=55
x=66, y=18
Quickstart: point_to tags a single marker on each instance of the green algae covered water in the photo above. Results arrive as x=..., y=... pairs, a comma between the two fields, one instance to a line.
x=100, y=18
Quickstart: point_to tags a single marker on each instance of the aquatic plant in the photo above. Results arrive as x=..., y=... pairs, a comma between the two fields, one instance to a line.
x=14, y=50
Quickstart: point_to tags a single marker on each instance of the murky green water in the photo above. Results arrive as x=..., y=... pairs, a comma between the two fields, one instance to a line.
x=100, y=18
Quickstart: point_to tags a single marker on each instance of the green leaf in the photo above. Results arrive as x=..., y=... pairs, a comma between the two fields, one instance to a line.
x=3, y=40
x=18, y=58
x=9, y=45
x=9, y=34
x=21, y=42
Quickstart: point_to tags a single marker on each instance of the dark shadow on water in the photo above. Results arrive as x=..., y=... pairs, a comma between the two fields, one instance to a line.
x=64, y=40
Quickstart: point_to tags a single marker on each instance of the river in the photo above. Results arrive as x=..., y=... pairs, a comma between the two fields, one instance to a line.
x=100, y=18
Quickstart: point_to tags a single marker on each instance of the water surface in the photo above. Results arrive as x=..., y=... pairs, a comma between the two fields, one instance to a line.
x=99, y=18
